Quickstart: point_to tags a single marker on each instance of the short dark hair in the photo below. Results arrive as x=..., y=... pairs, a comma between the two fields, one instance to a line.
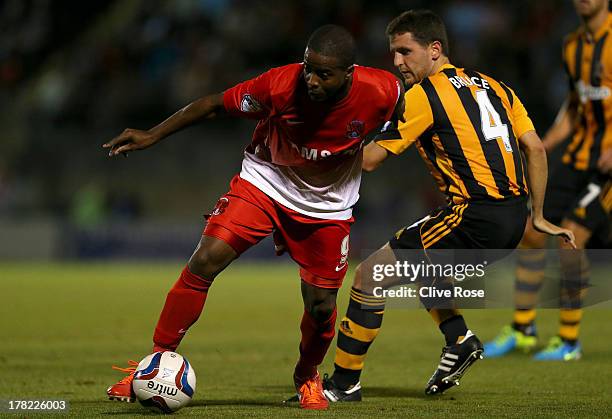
x=334, y=41
x=424, y=25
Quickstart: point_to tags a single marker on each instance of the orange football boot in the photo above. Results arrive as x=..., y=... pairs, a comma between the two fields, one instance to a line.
x=122, y=391
x=310, y=393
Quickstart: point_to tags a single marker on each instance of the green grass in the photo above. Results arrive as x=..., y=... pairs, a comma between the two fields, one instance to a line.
x=63, y=326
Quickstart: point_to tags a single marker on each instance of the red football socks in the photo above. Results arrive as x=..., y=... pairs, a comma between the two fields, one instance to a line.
x=316, y=338
x=183, y=306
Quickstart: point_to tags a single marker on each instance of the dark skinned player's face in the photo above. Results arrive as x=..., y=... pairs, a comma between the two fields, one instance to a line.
x=324, y=76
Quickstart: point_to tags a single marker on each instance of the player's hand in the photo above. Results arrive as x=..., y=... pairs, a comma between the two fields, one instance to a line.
x=130, y=140
x=280, y=249
x=544, y=226
x=549, y=146
x=605, y=162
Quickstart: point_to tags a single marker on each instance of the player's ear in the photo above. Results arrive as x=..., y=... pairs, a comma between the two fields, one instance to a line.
x=435, y=49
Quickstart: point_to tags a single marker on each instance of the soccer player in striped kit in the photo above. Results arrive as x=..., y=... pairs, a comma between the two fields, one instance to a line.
x=470, y=130
x=578, y=196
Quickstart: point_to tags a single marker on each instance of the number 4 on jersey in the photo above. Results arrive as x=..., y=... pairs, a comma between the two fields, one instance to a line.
x=491, y=123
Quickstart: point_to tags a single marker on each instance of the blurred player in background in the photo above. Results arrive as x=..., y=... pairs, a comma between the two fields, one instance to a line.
x=299, y=181
x=470, y=130
x=577, y=196
x=605, y=162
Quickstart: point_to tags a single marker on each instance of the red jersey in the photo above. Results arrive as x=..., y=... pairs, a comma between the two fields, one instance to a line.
x=295, y=132
x=299, y=131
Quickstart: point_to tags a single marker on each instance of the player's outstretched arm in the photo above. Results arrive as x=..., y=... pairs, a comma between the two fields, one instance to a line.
x=537, y=176
x=564, y=123
x=207, y=107
x=373, y=156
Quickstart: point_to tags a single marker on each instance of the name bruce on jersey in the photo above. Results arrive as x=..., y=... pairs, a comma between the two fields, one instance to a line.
x=461, y=81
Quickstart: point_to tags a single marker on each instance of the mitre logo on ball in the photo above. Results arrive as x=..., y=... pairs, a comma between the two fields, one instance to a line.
x=164, y=381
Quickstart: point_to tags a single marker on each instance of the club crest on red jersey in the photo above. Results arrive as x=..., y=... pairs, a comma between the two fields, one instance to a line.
x=249, y=104
x=219, y=208
x=354, y=129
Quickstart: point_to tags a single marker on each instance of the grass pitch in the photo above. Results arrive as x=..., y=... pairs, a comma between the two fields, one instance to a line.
x=63, y=326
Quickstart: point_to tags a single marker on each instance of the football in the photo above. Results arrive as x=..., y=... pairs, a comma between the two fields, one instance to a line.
x=164, y=381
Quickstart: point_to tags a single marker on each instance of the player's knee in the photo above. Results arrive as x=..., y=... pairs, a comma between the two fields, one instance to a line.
x=211, y=257
x=358, y=278
x=362, y=282
x=319, y=302
x=200, y=264
x=323, y=309
x=206, y=263
x=532, y=239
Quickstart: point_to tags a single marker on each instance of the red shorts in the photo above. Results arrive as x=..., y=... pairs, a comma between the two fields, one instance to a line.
x=245, y=215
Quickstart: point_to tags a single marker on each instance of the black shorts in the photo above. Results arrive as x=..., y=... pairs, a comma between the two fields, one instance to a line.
x=470, y=225
x=579, y=196
x=489, y=230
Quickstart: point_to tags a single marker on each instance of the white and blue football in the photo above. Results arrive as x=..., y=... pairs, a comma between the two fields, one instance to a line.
x=164, y=381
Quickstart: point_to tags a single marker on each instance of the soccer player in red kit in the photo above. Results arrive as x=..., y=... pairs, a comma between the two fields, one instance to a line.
x=299, y=180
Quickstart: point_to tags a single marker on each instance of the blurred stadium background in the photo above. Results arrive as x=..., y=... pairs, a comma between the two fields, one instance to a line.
x=75, y=74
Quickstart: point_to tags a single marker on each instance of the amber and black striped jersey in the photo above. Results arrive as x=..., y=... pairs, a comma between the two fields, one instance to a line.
x=606, y=197
x=466, y=127
x=588, y=63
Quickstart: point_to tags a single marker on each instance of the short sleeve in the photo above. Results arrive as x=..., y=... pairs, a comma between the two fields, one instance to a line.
x=521, y=120
x=249, y=99
x=418, y=116
x=388, y=132
x=395, y=92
